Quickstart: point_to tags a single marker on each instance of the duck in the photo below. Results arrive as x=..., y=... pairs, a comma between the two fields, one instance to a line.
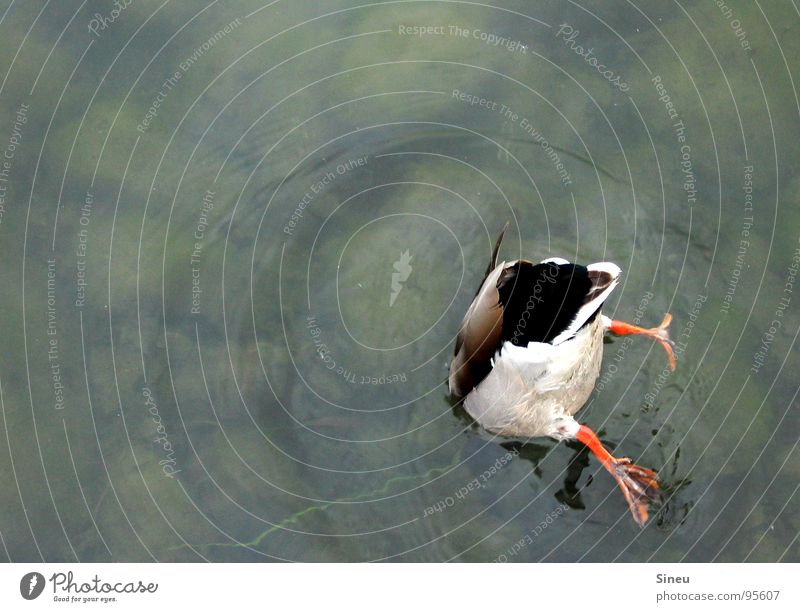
x=528, y=353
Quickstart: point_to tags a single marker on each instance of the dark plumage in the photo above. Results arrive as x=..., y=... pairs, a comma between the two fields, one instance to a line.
x=529, y=350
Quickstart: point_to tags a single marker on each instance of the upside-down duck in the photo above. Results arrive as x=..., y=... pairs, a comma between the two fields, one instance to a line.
x=528, y=353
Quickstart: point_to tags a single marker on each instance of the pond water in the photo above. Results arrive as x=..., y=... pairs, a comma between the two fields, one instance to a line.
x=237, y=240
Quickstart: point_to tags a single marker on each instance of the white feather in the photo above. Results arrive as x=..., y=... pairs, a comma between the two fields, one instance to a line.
x=556, y=260
x=587, y=309
x=518, y=376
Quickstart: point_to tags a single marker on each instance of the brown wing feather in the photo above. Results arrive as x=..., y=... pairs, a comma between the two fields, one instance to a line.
x=480, y=332
x=493, y=261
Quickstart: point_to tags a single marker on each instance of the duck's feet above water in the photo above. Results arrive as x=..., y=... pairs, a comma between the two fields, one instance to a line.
x=639, y=485
x=660, y=334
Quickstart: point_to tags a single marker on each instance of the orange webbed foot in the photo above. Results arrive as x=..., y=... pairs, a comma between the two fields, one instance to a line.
x=660, y=334
x=639, y=485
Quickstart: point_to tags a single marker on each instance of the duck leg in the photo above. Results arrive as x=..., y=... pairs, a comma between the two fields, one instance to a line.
x=639, y=485
x=660, y=334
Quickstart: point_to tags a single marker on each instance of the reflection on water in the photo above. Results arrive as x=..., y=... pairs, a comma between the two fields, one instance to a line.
x=227, y=333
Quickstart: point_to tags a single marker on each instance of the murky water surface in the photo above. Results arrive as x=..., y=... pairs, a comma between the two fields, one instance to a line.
x=237, y=239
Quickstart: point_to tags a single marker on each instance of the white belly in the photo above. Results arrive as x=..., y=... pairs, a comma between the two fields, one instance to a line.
x=530, y=387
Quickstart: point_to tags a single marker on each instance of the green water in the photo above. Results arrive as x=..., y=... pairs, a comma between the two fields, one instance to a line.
x=237, y=239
